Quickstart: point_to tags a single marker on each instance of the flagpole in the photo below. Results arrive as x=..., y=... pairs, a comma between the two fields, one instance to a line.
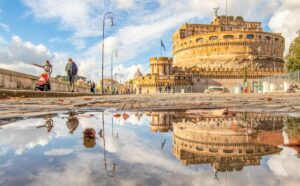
x=160, y=48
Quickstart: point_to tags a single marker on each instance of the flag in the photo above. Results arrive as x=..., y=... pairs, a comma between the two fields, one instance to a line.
x=162, y=45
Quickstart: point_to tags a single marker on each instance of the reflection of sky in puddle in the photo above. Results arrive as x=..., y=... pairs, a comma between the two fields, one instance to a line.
x=33, y=156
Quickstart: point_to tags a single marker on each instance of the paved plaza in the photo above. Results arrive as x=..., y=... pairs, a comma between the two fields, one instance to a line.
x=26, y=107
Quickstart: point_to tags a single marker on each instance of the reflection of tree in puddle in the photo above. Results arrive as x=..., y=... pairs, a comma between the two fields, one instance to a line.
x=292, y=128
x=48, y=123
x=227, y=142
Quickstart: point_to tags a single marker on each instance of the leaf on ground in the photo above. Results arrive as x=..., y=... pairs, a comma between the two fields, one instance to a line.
x=87, y=99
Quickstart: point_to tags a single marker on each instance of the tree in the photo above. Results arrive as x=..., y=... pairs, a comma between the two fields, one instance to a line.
x=293, y=57
x=130, y=82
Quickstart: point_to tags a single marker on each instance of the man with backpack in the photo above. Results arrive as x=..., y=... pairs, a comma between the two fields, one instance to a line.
x=72, y=70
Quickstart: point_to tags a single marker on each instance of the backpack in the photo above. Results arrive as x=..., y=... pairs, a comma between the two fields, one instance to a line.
x=74, y=69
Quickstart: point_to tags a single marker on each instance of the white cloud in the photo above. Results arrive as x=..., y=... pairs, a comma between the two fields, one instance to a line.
x=5, y=27
x=285, y=20
x=58, y=152
x=125, y=73
x=26, y=138
x=125, y=4
x=286, y=165
x=82, y=17
x=17, y=55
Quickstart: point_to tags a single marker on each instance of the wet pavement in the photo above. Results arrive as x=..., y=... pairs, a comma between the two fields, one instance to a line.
x=181, y=147
x=29, y=107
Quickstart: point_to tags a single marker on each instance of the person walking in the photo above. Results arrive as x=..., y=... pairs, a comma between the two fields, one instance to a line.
x=93, y=87
x=72, y=70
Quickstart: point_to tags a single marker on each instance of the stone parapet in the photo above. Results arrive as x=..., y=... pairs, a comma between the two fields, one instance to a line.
x=21, y=81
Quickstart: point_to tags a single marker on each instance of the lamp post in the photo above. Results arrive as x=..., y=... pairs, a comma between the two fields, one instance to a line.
x=115, y=52
x=107, y=16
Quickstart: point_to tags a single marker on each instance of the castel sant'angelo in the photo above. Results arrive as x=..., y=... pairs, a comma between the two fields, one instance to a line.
x=218, y=54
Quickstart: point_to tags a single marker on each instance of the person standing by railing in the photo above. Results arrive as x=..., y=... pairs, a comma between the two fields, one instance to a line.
x=47, y=68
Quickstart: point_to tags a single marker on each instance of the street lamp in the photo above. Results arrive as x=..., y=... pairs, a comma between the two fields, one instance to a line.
x=115, y=52
x=107, y=16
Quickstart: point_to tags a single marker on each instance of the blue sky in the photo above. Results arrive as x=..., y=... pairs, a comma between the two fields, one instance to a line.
x=32, y=31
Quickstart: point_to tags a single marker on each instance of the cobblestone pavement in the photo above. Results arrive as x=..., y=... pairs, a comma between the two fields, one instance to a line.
x=21, y=107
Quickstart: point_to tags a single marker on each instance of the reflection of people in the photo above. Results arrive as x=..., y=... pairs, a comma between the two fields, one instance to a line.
x=72, y=122
x=48, y=123
x=89, y=138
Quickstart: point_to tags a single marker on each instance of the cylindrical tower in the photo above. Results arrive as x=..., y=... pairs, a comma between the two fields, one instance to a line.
x=228, y=42
x=160, y=66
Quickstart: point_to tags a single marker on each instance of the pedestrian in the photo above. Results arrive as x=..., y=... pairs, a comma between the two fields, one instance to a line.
x=93, y=87
x=72, y=70
x=169, y=88
x=48, y=69
x=159, y=89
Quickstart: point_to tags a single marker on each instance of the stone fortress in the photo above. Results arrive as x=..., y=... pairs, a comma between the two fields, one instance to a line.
x=215, y=54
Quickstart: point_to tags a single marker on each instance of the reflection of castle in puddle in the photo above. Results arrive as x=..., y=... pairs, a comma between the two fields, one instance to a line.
x=227, y=143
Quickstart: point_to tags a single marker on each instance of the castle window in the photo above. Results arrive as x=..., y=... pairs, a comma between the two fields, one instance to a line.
x=228, y=37
x=259, y=36
x=228, y=151
x=268, y=38
x=276, y=39
x=213, y=37
x=250, y=36
x=241, y=36
x=199, y=40
x=213, y=150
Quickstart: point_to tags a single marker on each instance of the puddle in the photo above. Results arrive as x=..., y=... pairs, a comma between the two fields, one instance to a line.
x=196, y=147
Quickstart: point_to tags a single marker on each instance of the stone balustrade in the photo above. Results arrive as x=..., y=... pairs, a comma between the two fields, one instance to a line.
x=20, y=81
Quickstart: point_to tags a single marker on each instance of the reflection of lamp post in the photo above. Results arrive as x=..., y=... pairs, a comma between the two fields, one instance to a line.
x=110, y=16
x=115, y=52
x=274, y=62
x=109, y=173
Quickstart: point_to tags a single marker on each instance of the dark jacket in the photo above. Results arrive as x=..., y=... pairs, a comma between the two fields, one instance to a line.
x=71, y=69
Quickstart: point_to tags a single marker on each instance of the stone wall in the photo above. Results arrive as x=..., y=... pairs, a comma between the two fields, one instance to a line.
x=20, y=81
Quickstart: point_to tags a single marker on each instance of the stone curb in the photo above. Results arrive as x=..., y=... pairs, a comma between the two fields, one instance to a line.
x=39, y=94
